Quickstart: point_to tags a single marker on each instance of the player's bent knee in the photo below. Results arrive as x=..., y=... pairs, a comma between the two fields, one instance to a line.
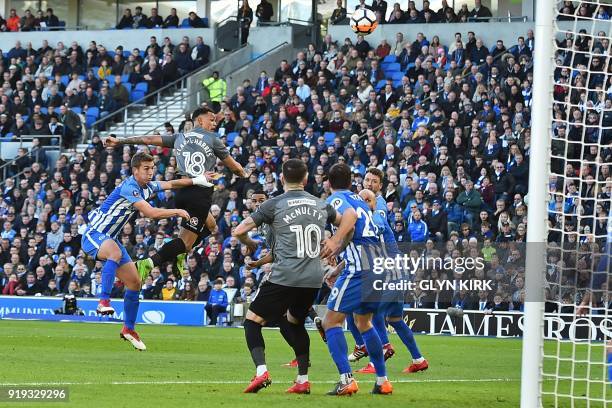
x=109, y=250
x=363, y=322
x=333, y=319
x=255, y=318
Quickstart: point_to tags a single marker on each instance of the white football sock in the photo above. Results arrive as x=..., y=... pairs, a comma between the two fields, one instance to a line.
x=418, y=360
x=301, y=379
x=346, y=378
x=380, y=380
x=261, y=369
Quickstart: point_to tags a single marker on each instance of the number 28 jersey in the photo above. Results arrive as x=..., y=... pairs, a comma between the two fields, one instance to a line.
x=196, y=152
x=366, y=232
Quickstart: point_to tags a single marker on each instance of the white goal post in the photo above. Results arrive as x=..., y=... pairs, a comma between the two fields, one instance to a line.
x=569, y=197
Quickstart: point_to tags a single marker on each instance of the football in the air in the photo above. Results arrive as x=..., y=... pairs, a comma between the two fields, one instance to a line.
x=363, y=21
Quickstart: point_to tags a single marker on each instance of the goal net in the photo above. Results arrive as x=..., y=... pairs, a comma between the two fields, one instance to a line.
x=576, y=356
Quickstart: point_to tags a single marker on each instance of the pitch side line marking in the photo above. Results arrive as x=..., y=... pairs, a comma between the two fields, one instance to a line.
x=186, y=382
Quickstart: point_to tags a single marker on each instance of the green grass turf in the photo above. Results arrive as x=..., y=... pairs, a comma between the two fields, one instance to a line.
x=195, y=367
x=92, y=360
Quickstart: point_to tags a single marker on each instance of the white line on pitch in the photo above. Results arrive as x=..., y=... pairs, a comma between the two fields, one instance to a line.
x=187, y=382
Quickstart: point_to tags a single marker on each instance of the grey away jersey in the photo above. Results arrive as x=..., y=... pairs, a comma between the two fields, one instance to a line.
x=297, y=220
x=196, y=152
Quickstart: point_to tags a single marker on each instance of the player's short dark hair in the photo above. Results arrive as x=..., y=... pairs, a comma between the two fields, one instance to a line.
x=259, y=191
x=200, y=111
x=139, y=158
x=294, y=170
x=340, y=176
x=377, y=172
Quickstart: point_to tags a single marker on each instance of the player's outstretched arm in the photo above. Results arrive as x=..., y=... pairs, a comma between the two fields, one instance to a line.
x=242, y=230
x=201, y=180
x=346, y=224
x=235, y=167
x=159, y=213
x=155, y=140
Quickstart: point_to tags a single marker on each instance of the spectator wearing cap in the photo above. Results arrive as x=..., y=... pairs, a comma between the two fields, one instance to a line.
x=217, y=89
x=217, y=302
x=437, y=222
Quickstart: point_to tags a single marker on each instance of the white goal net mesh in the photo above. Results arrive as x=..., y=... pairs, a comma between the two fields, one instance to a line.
x=578, y=323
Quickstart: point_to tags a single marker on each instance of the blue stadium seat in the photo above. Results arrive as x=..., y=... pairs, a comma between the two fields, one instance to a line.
x=250, y=117
x=329, y=138
x=390, y=58
x=111, y=53
x=231, y=137
x=91, y=116
x=95, y=71
x=185, y=23
x=25, y=118
x=126, y=54
x=397, y=84
x=76, y=110
x=205, y=21
x=412, y=64
x=394, y=67
x=125, y=78
x=111, y=80
x=44, y=110
x=142, y=54
x=380, y=84
x=65, y=79
x=141, y=86
x=128, y=86
x=397, y=76
x=140, y=90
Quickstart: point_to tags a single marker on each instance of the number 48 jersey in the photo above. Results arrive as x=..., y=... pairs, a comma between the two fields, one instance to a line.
x=366, y=232
x=197, y=151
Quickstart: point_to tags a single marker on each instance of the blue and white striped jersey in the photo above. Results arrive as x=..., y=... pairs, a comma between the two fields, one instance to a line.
x=366, y=231
x=118, y=208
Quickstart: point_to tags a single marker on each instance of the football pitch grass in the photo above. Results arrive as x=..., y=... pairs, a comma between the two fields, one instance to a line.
x=210, y=367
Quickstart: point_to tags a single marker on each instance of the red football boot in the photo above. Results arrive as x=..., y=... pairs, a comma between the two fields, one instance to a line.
x=299, y=388
x=133, y=337
x=258, y=382
x=358, y=353
x=415, y=367
x=369, y=369
x=388, y=350
x=104, y=308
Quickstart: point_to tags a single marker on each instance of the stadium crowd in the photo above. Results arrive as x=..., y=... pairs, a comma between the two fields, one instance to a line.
x=452, y=136
x=51, y=90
